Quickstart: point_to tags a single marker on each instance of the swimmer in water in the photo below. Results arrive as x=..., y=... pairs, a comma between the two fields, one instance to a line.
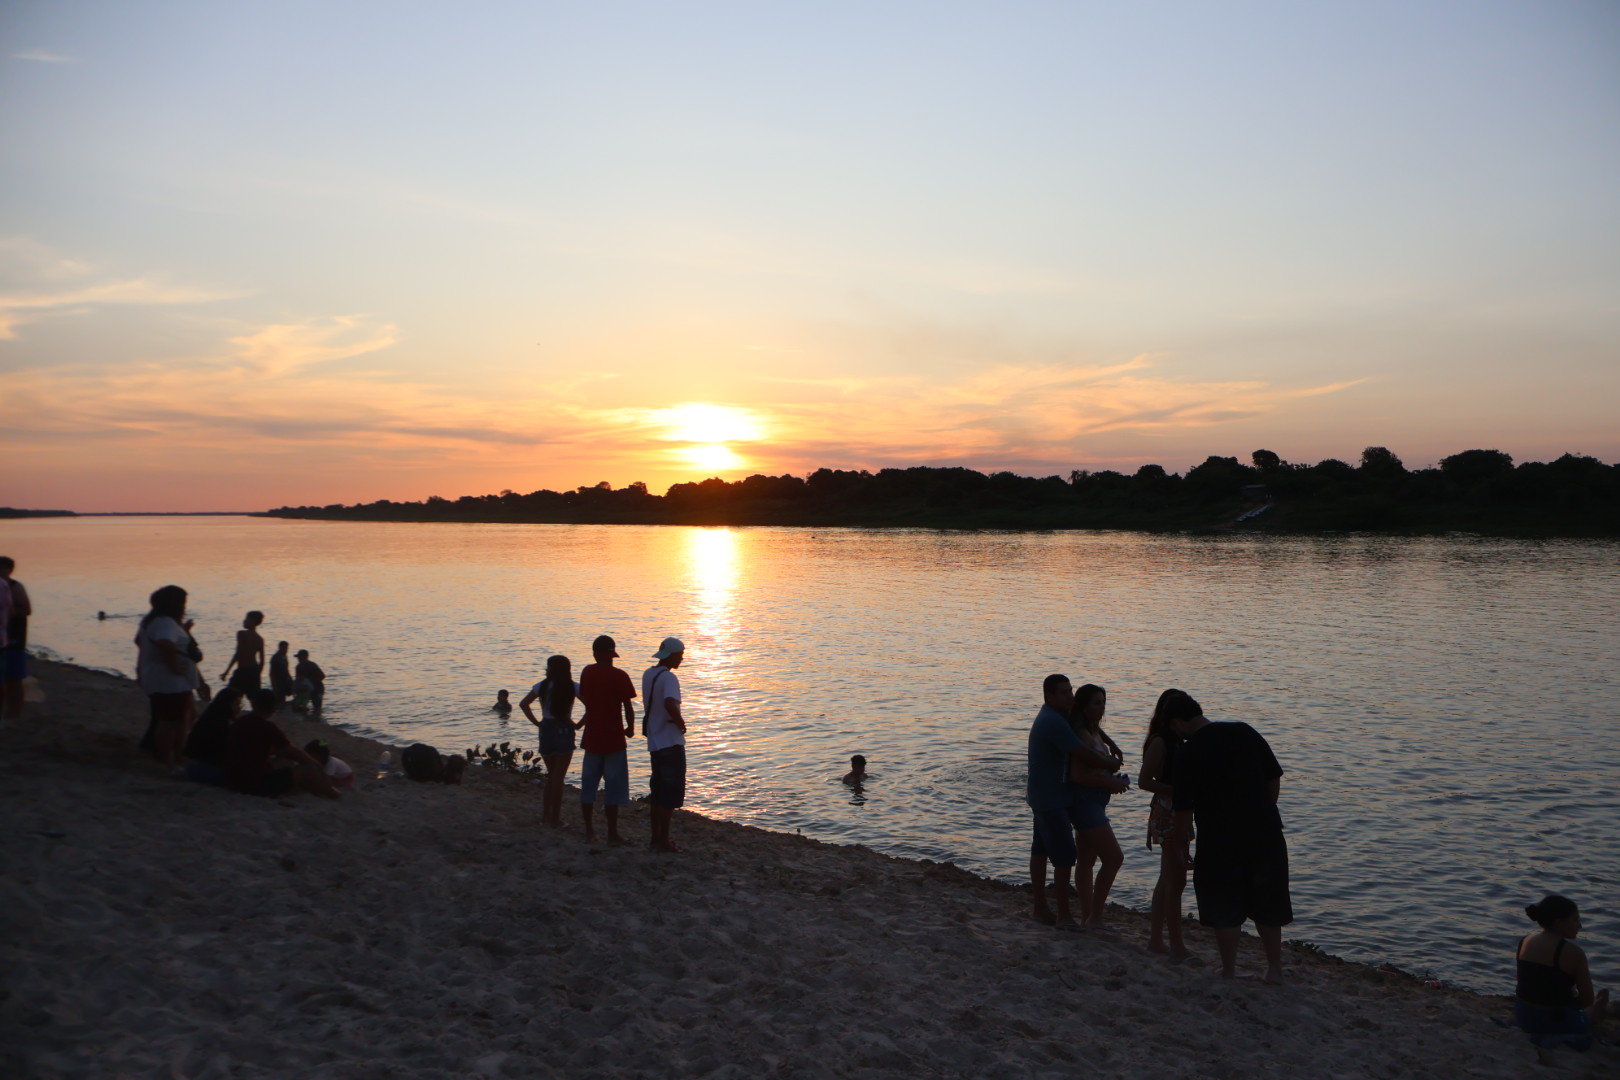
x=503, y=702
x=857, y=771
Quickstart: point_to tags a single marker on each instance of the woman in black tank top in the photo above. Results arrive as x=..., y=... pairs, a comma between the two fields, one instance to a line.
x=1553, y=1001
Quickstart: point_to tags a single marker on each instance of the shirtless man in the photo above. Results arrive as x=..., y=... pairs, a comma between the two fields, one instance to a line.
x=248, y=660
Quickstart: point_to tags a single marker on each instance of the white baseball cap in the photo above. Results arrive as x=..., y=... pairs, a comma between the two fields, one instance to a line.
x=669, y=647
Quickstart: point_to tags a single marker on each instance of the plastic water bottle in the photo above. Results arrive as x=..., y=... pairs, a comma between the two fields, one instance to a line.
x=385, y=765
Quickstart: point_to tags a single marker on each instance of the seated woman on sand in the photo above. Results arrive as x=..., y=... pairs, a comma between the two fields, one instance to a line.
x=1553, y=1002
x=1097, y=780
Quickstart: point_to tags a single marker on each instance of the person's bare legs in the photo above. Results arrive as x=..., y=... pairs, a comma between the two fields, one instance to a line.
x=613, y=825
x=556, y=774
x=1037, y=882
x=587, y=811
x=1173, y=877
x=11, y=700
x=1100, y=844
x=1060, y=884
x=1082, y=874
x=662, y=816
x=1271, y=939
x=1226, y=939
x=1156, y=910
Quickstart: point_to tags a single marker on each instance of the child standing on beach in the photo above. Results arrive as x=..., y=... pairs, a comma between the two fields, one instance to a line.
x=556, y=694
x=609, y=722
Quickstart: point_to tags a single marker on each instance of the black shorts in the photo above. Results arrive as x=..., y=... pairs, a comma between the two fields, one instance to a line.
x=1242, y=879
x=170, y=708
x=669, y=777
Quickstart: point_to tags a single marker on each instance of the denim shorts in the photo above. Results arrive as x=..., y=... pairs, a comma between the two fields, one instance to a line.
x=1090, y=808
x=13, y=663
x=612, y=771
x=556, y=737
x=1552, y=1028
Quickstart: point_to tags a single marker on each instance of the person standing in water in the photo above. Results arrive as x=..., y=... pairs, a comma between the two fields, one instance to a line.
x=1553, y=1002
x=248, y=660
x=309, y=681
x=281, y=680
x=609, y=721
x=556, y=694
x=665, y=729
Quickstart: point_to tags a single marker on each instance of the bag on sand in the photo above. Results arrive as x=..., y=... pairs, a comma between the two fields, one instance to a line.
x=422, y=762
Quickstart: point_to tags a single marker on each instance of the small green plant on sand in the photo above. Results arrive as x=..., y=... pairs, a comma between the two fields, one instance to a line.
x=506, y=756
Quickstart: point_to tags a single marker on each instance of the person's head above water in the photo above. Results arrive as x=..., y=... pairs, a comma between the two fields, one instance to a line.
x=604, y=648
x=502, y=695
x=1557, y=914
x=857, y=762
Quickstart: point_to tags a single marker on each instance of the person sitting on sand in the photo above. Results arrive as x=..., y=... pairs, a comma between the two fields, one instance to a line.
x=1160, y=749
x=556, y=694
x=1095, y=780
x=309, y=681
x=248, y=660
x=254, y=745
x=609, y=720
x=281, y=680
x=857, y=771
x=205, y=746
x=503, y=703
x=337, y=770
x=1553, y=1002
x=1228, y=780
x=1053, y=748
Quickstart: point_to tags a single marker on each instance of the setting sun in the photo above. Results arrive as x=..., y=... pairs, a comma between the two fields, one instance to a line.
x=699, y=422
x=712, y=456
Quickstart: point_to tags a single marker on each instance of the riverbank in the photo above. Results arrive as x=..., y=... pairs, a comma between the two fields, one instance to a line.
x=157, y=927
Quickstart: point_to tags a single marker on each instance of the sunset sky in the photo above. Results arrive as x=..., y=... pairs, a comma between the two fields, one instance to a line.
x=262, y=254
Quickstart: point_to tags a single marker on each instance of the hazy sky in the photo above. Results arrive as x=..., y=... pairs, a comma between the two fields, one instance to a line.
x=308, y=253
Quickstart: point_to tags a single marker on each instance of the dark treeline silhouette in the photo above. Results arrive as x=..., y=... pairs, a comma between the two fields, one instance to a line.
x=1474, y=491
x=14, y=512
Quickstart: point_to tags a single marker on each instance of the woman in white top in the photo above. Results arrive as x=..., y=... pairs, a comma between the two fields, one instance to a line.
x=166, y=668
x=556, y=694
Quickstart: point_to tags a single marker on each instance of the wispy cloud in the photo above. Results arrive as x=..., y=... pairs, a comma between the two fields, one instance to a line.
x=71, y=285
x=40, y=56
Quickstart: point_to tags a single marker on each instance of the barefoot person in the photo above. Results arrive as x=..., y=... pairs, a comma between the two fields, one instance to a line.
x=610, y=720
x=1553, y=1002
x=1053, y=748
x=248, y=660
x=281, y=680
x=166, y=669
x=255, y=744
x=556, y=694
x=1095, y=780
x=665, y=730
x=1159, y=752
x=309, y=682
x=1227, y=780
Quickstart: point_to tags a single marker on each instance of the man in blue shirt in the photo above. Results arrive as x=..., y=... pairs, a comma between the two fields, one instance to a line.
x=1052, y=745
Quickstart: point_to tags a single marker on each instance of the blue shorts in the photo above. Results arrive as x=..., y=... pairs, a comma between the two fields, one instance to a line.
x=14, y=663
x=556, y=737
x=1552, y=1028
x=612, y=771
x=1054, y=837
x=1090, y=808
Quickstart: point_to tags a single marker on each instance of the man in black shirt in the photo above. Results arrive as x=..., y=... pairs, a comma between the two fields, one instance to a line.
x=1227, y=779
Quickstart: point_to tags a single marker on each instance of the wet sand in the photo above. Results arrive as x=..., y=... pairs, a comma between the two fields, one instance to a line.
x=157, y=928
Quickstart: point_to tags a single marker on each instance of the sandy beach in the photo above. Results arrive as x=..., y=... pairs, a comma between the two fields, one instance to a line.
x=158, y=928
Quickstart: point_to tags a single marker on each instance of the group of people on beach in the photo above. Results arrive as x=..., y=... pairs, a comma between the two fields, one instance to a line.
x=607, y=723
x=243, y=751
x=1221, y=779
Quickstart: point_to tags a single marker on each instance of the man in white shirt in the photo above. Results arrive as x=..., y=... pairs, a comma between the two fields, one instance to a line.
x=665, y=731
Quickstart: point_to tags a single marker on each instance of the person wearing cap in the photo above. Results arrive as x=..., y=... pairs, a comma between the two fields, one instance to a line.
x=665, y=730
x=309, y=680
x=609, y=721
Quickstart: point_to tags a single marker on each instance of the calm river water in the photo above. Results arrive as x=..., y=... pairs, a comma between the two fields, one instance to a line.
x=1445, y=708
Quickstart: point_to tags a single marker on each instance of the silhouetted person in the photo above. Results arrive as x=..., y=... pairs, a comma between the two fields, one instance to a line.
x=309, y=681
x=665, y=728
x=503, y=702
x=13, y=643
x=1227, y=779
x=166, y=669
x=1553, y=999
x=248, y=660
x=281, y=680
x=254, y=747
x=1053, y=750
x=857, y=771
x=609, y=721
x=556, y=694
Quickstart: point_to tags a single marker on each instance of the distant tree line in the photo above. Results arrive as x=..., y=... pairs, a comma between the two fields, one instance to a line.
x=1475, y=491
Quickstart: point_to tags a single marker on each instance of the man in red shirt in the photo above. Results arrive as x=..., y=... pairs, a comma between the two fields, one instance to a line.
x=252, y=746
x=610, y=720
